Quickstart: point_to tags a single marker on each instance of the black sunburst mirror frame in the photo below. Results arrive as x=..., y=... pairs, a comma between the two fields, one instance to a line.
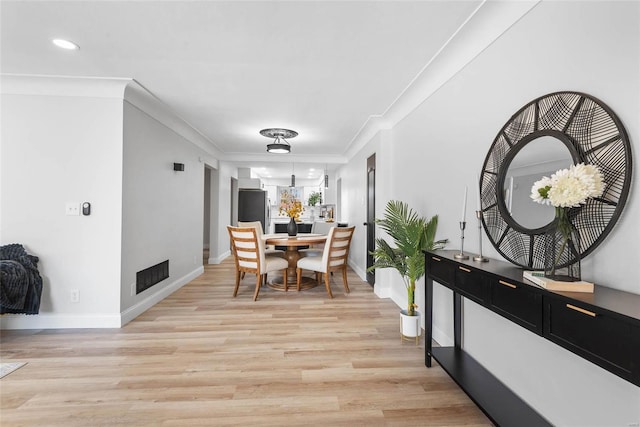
x=593, y=134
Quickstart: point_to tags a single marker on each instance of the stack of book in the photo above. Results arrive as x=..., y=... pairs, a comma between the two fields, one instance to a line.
x=538, y=278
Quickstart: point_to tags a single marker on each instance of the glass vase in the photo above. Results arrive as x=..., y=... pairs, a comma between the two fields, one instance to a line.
x=292, y=227
x=562, y=249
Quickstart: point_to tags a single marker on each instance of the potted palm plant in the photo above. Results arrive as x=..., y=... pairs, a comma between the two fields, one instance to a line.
x=314, y=198
x=411, y=234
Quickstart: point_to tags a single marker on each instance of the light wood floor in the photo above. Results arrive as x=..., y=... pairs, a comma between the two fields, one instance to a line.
x=203, y=358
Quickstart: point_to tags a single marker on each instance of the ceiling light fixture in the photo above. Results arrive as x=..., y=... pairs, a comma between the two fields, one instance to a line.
x=65, y=44
x=280, y=144
x=293, y=176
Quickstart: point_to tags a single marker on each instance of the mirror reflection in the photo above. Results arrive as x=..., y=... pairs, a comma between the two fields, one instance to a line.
x=540, y=157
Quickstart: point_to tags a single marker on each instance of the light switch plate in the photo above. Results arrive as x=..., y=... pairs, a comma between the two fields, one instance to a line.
x=72, y=208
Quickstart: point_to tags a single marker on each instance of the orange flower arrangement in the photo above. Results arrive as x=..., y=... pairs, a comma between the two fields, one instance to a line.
x=290, y=205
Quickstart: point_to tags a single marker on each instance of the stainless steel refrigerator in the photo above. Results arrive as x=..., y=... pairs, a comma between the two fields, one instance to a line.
x=253, y=205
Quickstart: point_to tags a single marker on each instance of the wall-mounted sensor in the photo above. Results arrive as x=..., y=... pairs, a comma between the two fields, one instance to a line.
x=86, y=208
x=178, y=167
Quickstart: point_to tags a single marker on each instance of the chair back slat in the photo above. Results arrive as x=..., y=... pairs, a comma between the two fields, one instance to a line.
x=247, y=250
x=336, y=251
x=256, y=224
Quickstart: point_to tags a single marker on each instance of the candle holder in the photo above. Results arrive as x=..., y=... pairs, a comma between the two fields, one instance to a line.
x=461, y=255
x=480, y=258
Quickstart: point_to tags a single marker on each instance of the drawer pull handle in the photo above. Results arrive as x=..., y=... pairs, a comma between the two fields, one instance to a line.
x=435, y=258
x=507, y=284
x=464, y=269
x=581, y=310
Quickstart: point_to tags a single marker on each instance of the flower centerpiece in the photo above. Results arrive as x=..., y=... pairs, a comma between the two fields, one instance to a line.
x=566, y=190
x=292, y=207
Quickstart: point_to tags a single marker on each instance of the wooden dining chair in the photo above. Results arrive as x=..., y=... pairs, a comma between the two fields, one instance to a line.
x=249, y=256
x=334, y=258
x=318, y=227
x=268, y=250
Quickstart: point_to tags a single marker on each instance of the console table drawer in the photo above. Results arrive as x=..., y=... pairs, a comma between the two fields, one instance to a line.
x=441, y=270
x=604, y=340
x=471, y=284
x=518, y=303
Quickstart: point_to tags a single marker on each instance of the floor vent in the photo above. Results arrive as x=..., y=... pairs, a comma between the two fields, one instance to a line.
x=150, y=276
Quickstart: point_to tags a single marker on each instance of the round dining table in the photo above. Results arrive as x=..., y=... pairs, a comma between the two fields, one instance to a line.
x=291, y=254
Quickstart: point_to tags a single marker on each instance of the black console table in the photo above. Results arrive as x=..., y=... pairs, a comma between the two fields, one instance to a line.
x=602, y=327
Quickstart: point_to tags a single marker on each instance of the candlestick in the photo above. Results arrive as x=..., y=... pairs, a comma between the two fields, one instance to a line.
x=478, y=193
x=480, y=258
x=464, y=205
x=461, y=255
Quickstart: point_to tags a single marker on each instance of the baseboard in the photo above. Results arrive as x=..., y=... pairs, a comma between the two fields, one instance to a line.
x=134, y=311
x=440, y=337
x=78, y=321
x=220, y=258
x=59, y=321
x=356, y=269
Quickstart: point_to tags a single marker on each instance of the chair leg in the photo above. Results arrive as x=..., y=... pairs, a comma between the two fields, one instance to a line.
x=258, y=284
x=327, y=279
x=344, y=279
x=298, y=278
x=264, y=279
x=235, y=291
x=318, y=277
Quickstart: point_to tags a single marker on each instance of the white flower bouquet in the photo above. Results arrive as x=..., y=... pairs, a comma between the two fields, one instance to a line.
x=565, y=189
x=569, y=188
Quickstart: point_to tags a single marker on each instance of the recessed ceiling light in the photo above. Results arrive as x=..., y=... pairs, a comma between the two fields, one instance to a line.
x=65, y=44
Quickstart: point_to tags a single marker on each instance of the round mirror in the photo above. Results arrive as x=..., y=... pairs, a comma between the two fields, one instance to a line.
x=539, y=157
x=565, y=127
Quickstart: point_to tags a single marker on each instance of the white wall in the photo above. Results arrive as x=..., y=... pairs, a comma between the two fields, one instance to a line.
x=76, y=140
x=441, y=145
x=221, y=211
x=59, y=145
x=162, y=209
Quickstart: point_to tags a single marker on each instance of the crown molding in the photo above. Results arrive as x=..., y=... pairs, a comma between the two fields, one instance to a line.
x=285, y=158
x=488, y=22
x=43, y=85
x=142, y=98
x=126, y=89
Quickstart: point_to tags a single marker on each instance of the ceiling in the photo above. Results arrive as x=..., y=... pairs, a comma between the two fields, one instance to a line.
x=232, y=68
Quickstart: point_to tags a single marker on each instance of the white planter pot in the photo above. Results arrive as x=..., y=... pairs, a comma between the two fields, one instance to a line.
x=410, y=326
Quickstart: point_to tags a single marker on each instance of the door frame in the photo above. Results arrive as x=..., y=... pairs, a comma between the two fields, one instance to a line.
x=371, y=216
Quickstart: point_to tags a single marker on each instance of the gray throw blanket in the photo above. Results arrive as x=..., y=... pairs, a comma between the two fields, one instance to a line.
x=20, y=281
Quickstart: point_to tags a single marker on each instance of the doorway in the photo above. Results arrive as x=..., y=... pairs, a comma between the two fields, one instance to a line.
x=206, y=232
x=371, y=216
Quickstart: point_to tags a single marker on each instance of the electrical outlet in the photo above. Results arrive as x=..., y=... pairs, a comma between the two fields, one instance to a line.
x=75, y=295
x=72, y=208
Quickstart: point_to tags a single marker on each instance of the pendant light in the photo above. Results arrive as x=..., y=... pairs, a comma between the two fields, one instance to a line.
x=293, y=176
x=326, y=177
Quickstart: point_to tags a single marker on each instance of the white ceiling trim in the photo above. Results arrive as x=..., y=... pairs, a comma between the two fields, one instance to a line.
x=484, y=26
x=139, y=96
x=284, y=158
x=32, y=84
